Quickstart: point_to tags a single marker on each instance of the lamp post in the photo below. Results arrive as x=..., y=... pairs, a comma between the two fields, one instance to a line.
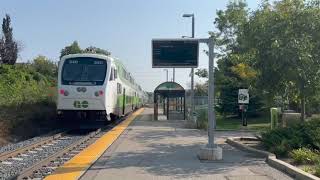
x=192, y=69
x=167, y=73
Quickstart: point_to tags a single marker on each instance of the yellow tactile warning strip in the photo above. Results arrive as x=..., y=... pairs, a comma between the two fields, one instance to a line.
x=76, y=166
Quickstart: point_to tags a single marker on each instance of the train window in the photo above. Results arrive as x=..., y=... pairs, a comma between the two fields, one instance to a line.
x=119, y=88
x=115, y=74
x=112, y=74
x=83, y=71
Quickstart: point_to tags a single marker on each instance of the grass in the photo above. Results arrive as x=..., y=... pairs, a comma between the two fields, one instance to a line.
x=259, y=124
x=234, y=123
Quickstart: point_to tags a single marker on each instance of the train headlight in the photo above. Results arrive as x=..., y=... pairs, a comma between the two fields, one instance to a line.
x=64, y=92
x=98, y=93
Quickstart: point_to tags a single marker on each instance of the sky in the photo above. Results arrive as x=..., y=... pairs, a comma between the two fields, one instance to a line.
x=124, y=27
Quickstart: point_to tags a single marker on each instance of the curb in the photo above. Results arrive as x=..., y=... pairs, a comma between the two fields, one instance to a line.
x=271, y=159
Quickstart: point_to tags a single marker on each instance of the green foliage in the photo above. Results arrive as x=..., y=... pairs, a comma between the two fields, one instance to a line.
x=8, y=47
x=74, y=48
x=203, y=73
x=304, y=156
x=44, y=66
x=272, y=51
x=96, y=50
x=201, y=89
x=307, y=169
x=202, y=119
x=27, y=97
x=235, y=68
x=317, y=170
x=22, y=85
x=283, y=140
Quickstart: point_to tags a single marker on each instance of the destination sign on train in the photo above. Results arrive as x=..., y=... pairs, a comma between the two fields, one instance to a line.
x=178, y=53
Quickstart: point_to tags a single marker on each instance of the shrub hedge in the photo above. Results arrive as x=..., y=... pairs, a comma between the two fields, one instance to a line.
x=25, y=96
x=282, y=141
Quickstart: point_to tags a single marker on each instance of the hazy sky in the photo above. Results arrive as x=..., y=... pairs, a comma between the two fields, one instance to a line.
x=124, y=27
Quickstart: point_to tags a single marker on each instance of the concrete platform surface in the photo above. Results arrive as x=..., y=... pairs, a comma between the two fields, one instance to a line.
x=167, y=150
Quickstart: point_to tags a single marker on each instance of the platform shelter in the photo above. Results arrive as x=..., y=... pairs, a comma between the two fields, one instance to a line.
x=168, y=92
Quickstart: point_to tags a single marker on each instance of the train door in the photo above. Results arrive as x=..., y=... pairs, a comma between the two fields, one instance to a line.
x=124, y=101
x=132, y=102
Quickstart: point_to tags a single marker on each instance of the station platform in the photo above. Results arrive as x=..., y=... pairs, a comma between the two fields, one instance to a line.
x=166, y=149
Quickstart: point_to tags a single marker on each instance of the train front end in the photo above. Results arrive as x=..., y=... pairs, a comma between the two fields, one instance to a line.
x=82, y=86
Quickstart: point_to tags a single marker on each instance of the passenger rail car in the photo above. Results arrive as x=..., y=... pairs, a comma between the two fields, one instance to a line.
x=96, y=87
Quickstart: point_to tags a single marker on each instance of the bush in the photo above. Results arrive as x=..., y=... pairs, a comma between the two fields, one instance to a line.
x=312, y=129
x=21, y=85
x=26, y=97
x=283, y=140
x=304, y=156
x=202, y=119
x=317, y=170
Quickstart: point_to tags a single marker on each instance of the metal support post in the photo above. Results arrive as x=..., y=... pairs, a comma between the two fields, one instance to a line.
x=192, y=92
x=167, y=73
x=155, y=108
x=180, y=104
x=174, y=74
x=168, y=108
x=211, y=112
x=184, y=107
x=164, y=105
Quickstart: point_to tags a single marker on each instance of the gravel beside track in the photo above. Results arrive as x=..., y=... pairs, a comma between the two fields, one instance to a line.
x=42, y=160
x=11, y=167
x=14, y=146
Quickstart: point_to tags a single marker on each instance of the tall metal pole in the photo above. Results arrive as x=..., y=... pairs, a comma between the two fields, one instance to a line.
x=174, y=72
x=211, y=113
x=192, y=75
x=192, y=69
x=167, y=73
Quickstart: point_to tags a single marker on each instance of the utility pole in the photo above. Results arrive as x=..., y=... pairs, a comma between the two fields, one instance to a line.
x=192, y=69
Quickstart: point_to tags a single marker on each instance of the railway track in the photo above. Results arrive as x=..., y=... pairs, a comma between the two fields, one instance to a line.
x=39, y=159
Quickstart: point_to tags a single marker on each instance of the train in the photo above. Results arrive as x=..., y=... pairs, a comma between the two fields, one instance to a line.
x=96, y=87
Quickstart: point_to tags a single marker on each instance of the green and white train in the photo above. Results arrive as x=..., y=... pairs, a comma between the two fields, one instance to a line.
x=96, y=87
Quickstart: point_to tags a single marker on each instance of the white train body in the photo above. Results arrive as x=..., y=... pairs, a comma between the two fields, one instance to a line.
x=96, y=87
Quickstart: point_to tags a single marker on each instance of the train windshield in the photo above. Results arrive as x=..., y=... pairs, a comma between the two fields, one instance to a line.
x=84, y=71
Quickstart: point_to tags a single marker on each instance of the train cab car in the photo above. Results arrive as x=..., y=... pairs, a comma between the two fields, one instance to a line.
x=95, y=87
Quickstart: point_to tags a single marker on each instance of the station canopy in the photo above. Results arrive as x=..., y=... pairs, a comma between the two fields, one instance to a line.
x=170, y=89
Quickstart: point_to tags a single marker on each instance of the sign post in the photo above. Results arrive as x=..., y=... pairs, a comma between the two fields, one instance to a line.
x=211, y=151
x=243, y=100
x=184, y=53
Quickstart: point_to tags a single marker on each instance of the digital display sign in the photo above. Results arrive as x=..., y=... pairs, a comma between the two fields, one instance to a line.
x=175, y=53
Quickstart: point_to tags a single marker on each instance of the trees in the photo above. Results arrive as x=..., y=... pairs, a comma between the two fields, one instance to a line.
x=74, y=48
x=44, y=66
x=285, y=39
x=273, y=51
x=8, y=47
x=96, y=50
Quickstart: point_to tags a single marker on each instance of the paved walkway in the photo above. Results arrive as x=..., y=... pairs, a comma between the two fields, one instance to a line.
x=166, y=150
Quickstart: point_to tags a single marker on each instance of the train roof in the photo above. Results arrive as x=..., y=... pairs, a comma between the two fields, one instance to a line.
x=100, y=56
